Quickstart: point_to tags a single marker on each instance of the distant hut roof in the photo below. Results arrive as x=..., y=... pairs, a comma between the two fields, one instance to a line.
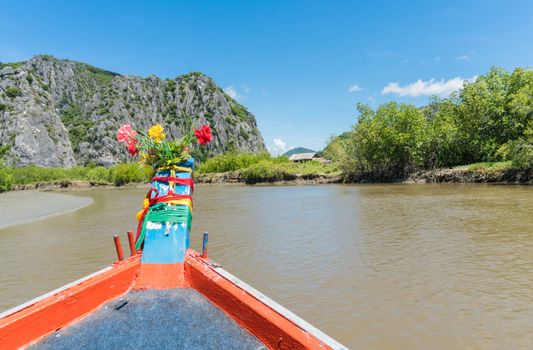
x=297, y=150
x=302, y=156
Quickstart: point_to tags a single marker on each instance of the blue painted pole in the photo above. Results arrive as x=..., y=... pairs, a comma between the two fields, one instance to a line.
x=205, y=245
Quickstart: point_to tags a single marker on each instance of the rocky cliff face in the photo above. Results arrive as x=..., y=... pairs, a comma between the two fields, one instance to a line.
x=60, y=113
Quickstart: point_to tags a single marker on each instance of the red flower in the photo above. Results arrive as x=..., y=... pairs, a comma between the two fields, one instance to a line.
x=132, y=149
x=203, y=134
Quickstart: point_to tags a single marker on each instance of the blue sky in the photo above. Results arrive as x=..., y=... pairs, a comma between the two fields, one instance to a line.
x=292, y=63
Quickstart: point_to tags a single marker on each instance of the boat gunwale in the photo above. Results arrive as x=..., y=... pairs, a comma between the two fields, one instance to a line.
x=17, y=327
x=303, y=326
x=280, y=309
x=205, y=263
x=35, y=300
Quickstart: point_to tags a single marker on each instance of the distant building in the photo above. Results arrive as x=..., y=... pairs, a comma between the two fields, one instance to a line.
x=297, y=150
x=302, y=157
x=301, y=154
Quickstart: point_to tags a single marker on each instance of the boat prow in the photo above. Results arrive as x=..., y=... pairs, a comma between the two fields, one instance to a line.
x=113, y=309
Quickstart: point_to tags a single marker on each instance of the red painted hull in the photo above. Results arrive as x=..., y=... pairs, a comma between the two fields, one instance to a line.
x=273, y=325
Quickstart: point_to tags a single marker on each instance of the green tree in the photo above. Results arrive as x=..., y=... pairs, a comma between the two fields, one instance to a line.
x=494, y=110
x=387, y=142
x=336, y=147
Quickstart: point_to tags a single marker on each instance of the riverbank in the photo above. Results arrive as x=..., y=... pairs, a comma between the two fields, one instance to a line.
x=26, y=206
x=233, y=177
x=264, y=173
x=451, y=175
x=465, y=174
x=62, y=185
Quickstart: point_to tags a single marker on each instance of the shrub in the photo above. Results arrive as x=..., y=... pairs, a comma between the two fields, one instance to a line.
x=122, y=174
x=77, y=124
x=265, y=171
x=98, y=174
x=521, y=153
x=231, y=161
x=489, y=166
x=239, y=110
x=386, y=142
x=119, y=175
x=6, y=179
x=13, y=92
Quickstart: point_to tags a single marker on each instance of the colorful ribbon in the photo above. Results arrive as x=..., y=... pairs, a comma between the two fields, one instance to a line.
x=153, y=198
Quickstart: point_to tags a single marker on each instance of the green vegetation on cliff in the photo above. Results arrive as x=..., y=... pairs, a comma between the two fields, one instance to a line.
x=489, y=120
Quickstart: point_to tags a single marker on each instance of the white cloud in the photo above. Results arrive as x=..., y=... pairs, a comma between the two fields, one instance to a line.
x=279, y=146
x=354, y=88
x=436, y=59
x=441, y=88
x=231, y=92
x=465, y=57
x=240, y=95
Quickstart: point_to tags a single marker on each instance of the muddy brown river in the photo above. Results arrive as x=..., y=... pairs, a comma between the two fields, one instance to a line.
x=375, y=266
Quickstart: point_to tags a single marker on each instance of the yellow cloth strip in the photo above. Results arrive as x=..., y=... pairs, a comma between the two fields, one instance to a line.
x=184, y=201
x=176, y=168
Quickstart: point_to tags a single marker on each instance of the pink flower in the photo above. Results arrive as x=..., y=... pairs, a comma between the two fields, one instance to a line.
x=126, y=134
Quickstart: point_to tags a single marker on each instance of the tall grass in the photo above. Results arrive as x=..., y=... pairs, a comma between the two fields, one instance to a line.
x=263, y=168
x=231, y=162
x=117, y=175
x=490, y=166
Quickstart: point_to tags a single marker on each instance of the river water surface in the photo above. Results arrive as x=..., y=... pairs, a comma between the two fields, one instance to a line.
x=374, y=266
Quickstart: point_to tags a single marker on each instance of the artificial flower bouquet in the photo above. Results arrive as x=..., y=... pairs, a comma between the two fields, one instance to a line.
x=153, y=148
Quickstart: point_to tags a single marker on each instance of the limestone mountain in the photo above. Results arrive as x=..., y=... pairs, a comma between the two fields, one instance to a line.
x=61, y=113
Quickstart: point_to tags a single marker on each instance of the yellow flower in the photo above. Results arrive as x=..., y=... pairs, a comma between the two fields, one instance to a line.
x=156, y=133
